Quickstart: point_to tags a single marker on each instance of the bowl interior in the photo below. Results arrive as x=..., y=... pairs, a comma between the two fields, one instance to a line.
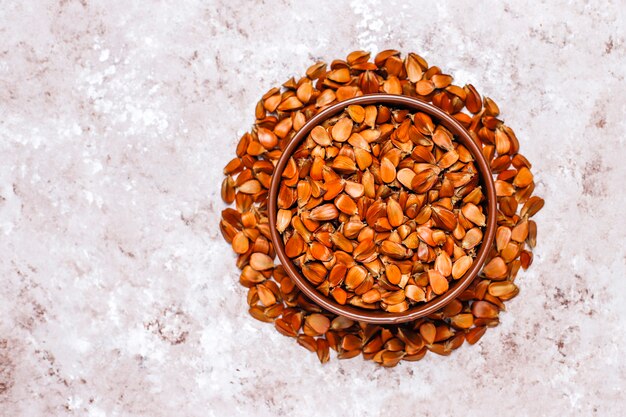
x=456, y=287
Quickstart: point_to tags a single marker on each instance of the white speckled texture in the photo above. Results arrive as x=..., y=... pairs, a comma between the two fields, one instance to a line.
x=118, y=296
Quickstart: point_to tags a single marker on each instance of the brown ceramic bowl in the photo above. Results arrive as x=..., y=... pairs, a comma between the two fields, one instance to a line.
x=457, y=287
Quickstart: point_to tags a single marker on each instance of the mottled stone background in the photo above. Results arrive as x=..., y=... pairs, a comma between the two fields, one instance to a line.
x=118, y=296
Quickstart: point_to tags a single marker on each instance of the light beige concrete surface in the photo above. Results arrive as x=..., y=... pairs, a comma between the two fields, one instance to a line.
x=118, y=296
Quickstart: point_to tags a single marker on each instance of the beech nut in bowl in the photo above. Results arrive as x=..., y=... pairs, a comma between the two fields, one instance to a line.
x=355, y=235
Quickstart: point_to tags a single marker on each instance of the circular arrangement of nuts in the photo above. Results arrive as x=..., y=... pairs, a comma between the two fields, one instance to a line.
x=375, y=204
x=380, y=208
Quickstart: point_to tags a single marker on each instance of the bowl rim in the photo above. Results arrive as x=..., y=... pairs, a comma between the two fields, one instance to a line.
x=380, y=316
